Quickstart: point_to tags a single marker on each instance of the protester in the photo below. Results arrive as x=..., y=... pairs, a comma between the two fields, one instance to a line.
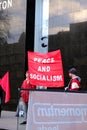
x=75, y=81
x=25, y=94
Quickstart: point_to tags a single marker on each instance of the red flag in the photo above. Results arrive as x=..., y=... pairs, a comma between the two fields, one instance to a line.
x=46, y=69
x=6, y=86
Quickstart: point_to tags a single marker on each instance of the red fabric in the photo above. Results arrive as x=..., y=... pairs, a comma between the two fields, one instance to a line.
x=75, y=81
x=25, y=93
x=6, y=86
x=0, y=81
x=46, y=69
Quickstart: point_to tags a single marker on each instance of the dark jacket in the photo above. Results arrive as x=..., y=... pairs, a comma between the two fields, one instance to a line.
x=1, y=93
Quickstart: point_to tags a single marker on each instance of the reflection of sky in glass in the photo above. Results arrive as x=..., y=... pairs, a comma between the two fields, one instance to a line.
x=65, y=12
x=17, y=19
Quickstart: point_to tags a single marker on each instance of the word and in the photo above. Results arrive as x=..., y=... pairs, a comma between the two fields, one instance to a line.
x=44, y=68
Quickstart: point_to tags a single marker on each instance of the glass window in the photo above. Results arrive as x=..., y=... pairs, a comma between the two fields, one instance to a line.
x=68, y=32
x=12, y=20
x=12, y=44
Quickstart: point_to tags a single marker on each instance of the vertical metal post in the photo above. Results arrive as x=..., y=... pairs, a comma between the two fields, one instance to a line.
x=41, y=26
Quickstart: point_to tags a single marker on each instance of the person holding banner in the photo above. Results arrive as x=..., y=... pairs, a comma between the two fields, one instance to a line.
x=25, y=94
x=75, y=81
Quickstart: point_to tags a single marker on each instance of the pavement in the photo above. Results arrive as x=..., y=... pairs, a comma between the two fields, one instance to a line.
x=9, y=121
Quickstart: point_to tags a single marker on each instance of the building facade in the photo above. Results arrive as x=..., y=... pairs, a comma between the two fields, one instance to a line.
x=42, y=26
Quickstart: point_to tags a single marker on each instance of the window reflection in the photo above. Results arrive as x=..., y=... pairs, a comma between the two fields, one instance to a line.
x=68, y=32
x=63, y=13
x=12, y=44
x=12, y=22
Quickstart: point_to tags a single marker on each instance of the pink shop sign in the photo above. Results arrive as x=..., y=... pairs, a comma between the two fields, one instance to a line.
x=57, y=111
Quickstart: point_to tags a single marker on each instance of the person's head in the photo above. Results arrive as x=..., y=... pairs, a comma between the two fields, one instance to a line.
x=72, y=72
x=27, y=74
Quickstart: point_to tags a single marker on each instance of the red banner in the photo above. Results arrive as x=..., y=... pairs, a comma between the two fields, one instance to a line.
x=46, y=69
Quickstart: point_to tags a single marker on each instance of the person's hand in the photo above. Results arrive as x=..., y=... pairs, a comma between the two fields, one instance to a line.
x=66, y=88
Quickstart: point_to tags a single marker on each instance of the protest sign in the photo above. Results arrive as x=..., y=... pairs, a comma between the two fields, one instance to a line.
x=46, y=69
